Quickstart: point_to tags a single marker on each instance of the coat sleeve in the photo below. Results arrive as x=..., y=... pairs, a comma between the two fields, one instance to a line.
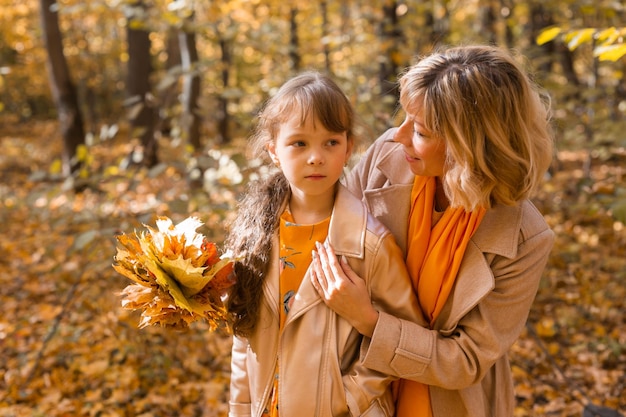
x=459, y=357
x=239, y=404
x=391, y=291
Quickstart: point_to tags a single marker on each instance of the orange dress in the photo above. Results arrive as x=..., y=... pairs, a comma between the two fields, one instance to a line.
x=434, y=254
x=297, y=241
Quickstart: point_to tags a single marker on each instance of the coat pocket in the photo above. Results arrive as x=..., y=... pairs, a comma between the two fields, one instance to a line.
x=406, y=364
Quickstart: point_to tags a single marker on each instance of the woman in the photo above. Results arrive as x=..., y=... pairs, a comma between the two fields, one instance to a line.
x=453, y=183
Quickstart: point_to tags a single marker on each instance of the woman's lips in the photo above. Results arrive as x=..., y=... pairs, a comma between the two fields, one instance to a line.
x=410, y=158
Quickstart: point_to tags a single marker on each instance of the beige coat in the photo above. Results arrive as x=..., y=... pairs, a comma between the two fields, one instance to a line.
x=318, y=351
x=464, y=358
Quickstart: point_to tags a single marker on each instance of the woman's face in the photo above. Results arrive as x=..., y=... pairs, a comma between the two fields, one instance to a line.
x=424, y=151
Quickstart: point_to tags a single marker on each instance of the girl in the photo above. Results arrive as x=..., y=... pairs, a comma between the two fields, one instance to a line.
x=453, y=182
x=292, y=355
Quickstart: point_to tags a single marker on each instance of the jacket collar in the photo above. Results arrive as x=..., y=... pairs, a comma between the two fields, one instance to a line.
x=391, y=162
x=346, y=232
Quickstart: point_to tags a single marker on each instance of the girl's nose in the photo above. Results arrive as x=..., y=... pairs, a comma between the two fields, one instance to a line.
x=315, y=157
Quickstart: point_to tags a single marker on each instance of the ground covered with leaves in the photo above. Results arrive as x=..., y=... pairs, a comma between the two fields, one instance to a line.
x=67, y=348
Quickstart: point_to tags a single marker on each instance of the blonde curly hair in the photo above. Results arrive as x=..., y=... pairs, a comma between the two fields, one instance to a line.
x=494, y=120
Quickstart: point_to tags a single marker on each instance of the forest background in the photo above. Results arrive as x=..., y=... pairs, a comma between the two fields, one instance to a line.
x=114, y=111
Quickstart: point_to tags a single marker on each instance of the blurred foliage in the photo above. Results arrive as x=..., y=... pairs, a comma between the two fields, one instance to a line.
x=67, y=346
x=257, y=35
x=70, y=349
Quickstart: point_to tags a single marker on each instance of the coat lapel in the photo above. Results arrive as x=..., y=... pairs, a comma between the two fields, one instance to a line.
x=346, y=234
x=397, y=189
x=305, y=299
x=475, y=278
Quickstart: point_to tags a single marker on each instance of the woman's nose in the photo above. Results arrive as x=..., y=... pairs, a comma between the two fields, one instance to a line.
x=404, y=134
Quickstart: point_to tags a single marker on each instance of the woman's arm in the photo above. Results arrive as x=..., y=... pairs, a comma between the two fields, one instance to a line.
x=453, y=358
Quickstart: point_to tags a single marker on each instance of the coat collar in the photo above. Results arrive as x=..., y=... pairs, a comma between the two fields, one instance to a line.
x=346, y=232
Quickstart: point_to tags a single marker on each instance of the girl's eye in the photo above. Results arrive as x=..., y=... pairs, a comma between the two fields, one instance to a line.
x=333, y=142
x=298, y=144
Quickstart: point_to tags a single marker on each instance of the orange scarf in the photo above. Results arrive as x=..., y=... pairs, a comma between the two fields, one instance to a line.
x=433, y=259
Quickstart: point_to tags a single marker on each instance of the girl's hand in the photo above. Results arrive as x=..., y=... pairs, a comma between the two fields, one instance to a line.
x=342, y=289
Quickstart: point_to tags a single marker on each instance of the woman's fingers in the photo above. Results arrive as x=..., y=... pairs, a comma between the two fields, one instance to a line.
x=348, y=271
x=330, y=265
x=327, y=274
x=318, y=278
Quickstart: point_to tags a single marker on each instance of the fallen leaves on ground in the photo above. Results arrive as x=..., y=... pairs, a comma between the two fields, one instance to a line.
x=67, y=348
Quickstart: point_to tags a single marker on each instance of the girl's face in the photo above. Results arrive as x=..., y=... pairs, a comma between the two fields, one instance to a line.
x=311, y=157
x=425, y=152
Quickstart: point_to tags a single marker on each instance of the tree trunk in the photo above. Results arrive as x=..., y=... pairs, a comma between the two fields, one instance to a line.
x=391, y=35
x=63, y=90
x=541, y=18
x=325, y=38
x=169, y=93
x=191, y=88
x=142, y=114
x=294, y=44
x=488, y=23
x=506, y=12
x=436, y=29
x=619, y=96
x=225, y=118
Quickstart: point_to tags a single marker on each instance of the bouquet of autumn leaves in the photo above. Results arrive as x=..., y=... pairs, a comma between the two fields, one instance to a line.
x=179, y=276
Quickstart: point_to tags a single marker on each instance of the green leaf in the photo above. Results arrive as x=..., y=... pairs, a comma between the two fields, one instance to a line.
x=548, y=34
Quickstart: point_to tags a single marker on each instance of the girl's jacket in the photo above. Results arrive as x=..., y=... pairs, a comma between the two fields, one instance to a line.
x=464, y=357
x=318, y=351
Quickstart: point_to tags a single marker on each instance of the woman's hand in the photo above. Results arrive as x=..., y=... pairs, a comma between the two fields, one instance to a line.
x=342, y=289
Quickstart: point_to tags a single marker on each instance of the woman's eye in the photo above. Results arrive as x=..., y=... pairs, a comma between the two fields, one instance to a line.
x=419, y=133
